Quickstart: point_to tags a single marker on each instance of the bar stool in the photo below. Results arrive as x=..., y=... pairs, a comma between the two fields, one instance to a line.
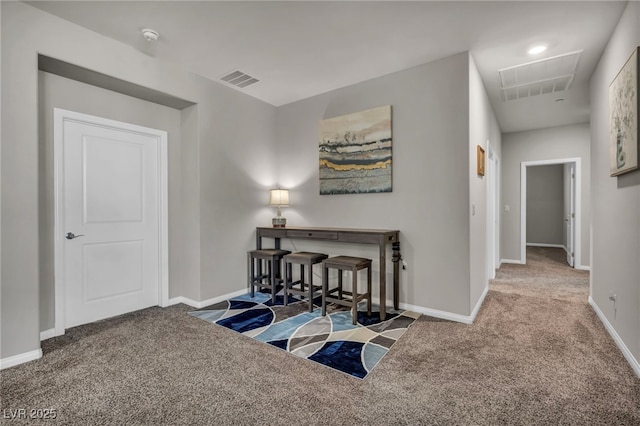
x=302, y=258
x=346, y=263
x=270, y=280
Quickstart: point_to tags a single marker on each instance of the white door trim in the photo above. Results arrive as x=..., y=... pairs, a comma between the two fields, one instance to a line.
x=493, y=221
x=523, y=205
x=59, y=117
x=570, y=220
x=498, y=221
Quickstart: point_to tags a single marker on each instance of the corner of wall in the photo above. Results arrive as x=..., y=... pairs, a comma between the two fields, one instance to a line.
x=483, y=131
x=190, y=166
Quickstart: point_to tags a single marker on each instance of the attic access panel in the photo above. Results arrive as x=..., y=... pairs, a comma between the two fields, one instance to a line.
x=535, y=78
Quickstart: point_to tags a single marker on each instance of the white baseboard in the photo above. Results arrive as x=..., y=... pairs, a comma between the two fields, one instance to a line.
x=419, y=309
x=180, y=299
x=448, y=315
x=208, y=302
x=516, y=262
x=635, y=365
x=476, y=308
x=546, y=245
x=583, y=268
x=20, y=359
x=437, y=314
x=48, y=334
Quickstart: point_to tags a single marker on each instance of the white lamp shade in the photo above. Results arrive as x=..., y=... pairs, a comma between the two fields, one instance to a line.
x=279, y=197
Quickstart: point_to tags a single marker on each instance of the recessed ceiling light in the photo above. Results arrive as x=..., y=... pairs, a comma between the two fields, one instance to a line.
x=537, y=49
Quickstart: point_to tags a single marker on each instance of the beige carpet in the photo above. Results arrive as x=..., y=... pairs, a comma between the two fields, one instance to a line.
x=536, y=355
x=546, y=274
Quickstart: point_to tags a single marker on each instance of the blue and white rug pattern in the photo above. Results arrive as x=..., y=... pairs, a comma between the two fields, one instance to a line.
x=331, y=340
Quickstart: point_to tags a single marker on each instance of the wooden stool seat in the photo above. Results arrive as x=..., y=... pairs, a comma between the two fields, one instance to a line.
x=302, y=258
x=273, y=276
x=267, y=254
x=346, y=263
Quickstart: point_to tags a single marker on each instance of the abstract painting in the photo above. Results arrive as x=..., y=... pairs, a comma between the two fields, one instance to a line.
x=355, y=152
x=623, y=107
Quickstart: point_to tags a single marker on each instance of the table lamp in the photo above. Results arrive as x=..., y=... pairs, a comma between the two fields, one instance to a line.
x=279, y=198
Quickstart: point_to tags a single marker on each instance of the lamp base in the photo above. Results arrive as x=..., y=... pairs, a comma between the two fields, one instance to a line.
x=279, y=222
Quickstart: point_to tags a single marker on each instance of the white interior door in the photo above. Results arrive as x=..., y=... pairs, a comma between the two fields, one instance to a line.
x=110, y=217
x=571, y=216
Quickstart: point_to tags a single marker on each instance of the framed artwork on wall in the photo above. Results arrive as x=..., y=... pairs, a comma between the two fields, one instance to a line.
x=623, y=118
x=480, y=155
x=355, y=152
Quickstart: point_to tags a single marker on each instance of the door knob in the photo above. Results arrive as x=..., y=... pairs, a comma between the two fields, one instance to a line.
x=71, y=236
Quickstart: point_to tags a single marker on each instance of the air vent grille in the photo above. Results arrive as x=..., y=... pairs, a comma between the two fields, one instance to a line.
x=239, y=79
x=549, y=75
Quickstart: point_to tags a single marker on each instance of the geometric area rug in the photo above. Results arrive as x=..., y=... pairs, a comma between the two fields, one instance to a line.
x=332, y=340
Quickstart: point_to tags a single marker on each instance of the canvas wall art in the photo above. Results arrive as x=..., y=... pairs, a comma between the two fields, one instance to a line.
x=623, y=108
x=480, y=160
x=355, y=152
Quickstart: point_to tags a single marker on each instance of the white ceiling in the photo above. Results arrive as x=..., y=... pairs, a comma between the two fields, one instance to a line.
x=299, y=49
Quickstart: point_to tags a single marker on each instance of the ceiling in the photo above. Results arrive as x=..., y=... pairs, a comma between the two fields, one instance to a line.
x=299, y=49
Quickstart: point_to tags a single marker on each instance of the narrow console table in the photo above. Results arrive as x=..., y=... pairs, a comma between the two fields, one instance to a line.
x=379, y=237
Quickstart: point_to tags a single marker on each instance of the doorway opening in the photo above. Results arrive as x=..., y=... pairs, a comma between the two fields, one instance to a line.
x=111, y=218
x=569, y=221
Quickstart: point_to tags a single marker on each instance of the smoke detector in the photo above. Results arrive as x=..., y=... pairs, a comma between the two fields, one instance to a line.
x=150, y=35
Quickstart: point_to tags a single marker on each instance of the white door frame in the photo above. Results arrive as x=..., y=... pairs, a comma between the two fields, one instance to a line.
x=493, y=217
x=570, y=227
x=523, y=206
x=497, y=221
x=59, y=117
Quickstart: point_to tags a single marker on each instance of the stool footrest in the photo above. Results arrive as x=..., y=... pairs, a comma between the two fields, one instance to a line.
x=304, y=292
x=347, y=301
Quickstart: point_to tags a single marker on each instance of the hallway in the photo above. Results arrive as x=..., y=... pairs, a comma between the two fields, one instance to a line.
x=546, y=275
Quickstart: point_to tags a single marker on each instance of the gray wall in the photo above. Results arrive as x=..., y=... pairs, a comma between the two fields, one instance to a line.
x=546, y=144
x=224, y=155
x=59, y=92
x=431, y=189
x=616, y=201
x=483, y=130
x=545, y=204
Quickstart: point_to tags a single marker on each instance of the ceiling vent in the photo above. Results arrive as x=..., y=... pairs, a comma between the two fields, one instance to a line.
x=239, y=79
x=548, y=75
